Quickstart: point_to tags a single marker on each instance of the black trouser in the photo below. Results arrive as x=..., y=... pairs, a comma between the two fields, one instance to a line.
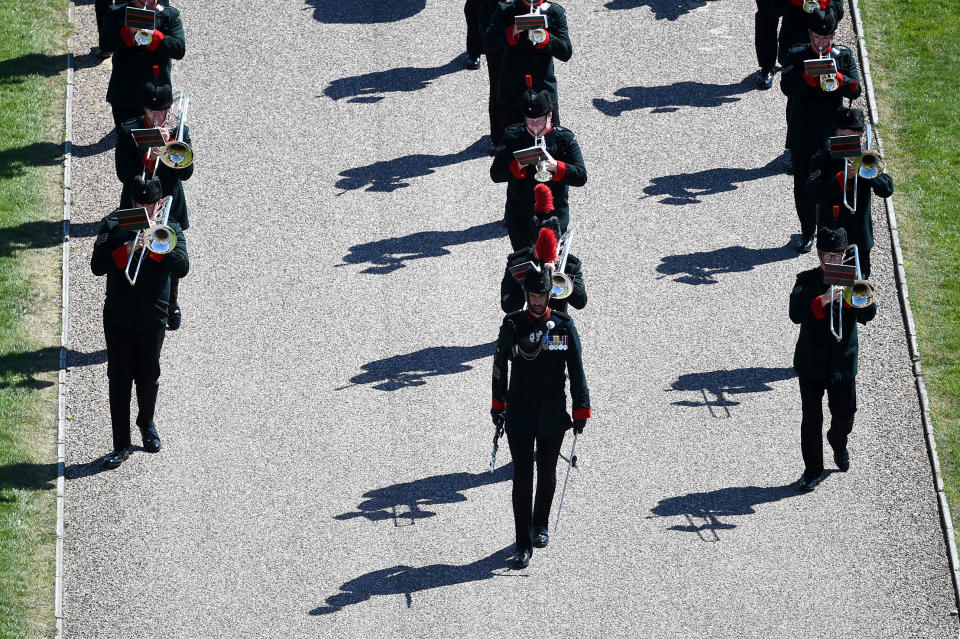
x=521, y=449
x=473, y=12
x=122, y=114
x=132, y=356
x=519, y=237
x=864, y=254
x=842, y=401
x=792, y=31
x=514, y=115
x=172, y=303
x=493, y=105
x=806, y=210
x=101, y=6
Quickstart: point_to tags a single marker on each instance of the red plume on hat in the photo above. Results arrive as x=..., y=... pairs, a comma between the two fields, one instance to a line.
x=156, y=70
x=542, y=199
x=545, y=249
x=529, y=80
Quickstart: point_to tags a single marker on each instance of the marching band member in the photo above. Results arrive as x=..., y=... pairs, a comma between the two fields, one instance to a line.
x=824, y=364
x=544, y=253
x=825, y=188
x=565, y=167
x=812, y=109
x=134, y=318
x=793, y=30
x=541, y=344
x=521, y=57
x=130, y=162
x=133, y=62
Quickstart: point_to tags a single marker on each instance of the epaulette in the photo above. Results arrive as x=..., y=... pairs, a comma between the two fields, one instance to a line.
x=522, y=253
x=129, y=125
x=562, y=316
x=514, y=315
x=515, y=128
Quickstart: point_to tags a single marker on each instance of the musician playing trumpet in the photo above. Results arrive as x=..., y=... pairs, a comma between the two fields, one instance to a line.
x=824, y=363
x=134, y=317
x=562, y=168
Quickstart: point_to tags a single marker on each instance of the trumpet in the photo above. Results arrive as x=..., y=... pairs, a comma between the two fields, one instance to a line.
x=157, y=238
x=562, y=284
x=860, y=294
x=143, y=37
x=542, y=174
x=828, y=81
x=536, y=36
x=810, y=6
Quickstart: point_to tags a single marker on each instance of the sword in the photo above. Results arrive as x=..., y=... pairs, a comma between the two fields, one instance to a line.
x=497, y=433
x=571, y=464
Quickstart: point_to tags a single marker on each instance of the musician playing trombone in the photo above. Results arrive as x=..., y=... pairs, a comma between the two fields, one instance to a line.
x=131, y=160
x=824, y=363
x=839, y=188
x=134, y=317
x=535, y=347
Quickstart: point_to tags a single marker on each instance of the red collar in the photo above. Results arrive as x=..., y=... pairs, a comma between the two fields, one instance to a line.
x=534, y=5
x=539, y=320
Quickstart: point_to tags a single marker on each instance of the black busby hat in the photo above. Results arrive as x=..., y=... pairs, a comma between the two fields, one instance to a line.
x=538, y=281
x=831, y=240
x=535, y=105
x=850, y=118
x=157, y=97
x=145, y=191
x=822, y=22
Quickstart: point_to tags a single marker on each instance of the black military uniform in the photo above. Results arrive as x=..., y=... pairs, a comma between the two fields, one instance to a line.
x=793, y=31
x=512, y=297
x=133, y=324
x=824, y=364
x=133, y=65
x=533, y=409
x=811, y=113
x=825, y=190
x=521, y=57
x=562, y=145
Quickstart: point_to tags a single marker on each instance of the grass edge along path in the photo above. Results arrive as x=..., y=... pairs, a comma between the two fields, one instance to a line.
x=914, y=55
x=32, y=92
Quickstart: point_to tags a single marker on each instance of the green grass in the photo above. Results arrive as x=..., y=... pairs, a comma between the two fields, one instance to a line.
x=32, y=85
x=914, y=50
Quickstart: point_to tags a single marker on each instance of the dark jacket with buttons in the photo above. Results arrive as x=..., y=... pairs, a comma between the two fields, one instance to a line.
x=142, y=306
x=513, y=299
x=534, y=399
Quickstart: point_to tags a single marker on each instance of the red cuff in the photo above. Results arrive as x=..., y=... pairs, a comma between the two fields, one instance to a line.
x=840, y=80
x=120, y=256
x=581, y=413
x=157, y=39
x=545, y=40
x=518, y=171
x=824, y=4
x=840, y=179
x=561, y=171
x=126, y=34
x=854, y=86
x=811, y=80
x=512, y=36
x=498, y=405
x=157, y=257
x=817, y=308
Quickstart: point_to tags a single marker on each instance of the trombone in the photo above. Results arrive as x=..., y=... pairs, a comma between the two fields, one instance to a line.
x=868, y=166
x=157, y=238
x=860, y=294
x=177, y=154
x=562, y=284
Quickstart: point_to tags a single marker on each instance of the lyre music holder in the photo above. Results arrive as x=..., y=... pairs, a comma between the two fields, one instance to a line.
x=820, y=66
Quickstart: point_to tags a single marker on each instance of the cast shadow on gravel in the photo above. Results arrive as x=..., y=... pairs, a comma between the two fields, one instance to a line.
x=364, y=11
x=389, y=175
x=662, y=9
x=19, y=370
x=716, y=386
x=387, y=255
x=405, y=501
x=702, y=267
x=44, y=476
x=688, y=188
x=406, y=580
x=106, y=143
x=370, y=87
x=412, y=369
x=670, y=97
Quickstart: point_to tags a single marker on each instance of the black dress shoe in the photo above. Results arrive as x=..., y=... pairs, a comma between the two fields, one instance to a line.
x=842, y=459
x=472, y=63
x=115, y=458
x=174, y=318
x=804, y=244
x=764, y=79
x=807, y=484
x=151, y=440
x=521, y=558
x=540, y=537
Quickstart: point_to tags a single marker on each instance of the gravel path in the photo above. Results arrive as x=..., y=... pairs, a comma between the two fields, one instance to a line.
x=325, y=404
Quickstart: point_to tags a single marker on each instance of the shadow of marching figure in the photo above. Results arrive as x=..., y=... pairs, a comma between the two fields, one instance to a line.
x=106, y=143
x=30, y=235
x=19, y=370
x=370, y=87
x=702, y=267
x=720, y=384
x=669, y=98
x=688, y=188
x=406, y=580
x=364, y=11
x=702, y=510
x=662, y=9
x=389, y=175
x=14, y=70
x=401, y=371
x=14, y=161
x=388, y=255
x=384, y=503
